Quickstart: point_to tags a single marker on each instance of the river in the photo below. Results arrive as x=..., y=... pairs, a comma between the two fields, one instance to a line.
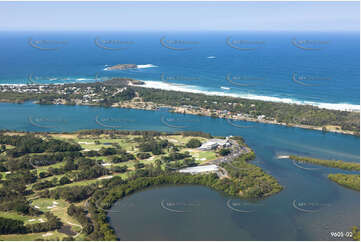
x=309, y=208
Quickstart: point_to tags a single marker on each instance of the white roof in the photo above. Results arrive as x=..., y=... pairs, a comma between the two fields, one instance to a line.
x=199, y=169
x=209, y=143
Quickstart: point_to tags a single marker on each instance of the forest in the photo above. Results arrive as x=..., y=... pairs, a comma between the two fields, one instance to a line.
x=350, y=166
x=347, y=180
x=39, y=167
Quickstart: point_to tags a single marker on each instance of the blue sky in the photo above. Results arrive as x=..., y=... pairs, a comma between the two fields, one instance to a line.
x=183, y=16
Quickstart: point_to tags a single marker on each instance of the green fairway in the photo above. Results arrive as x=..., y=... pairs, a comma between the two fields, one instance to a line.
x=50, y=235
x=124, y=147
x=26, y=219
x=46, y=204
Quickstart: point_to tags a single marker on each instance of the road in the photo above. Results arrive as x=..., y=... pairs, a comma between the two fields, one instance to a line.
x=237, y=150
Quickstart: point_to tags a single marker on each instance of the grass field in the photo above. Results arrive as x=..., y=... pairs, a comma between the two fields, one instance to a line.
x=24, y=218
x=59, y=209
x=50, y=235
x=45, y=168
x=46, y=205
x=126, y=142
x=91, y=142
x=79, y=183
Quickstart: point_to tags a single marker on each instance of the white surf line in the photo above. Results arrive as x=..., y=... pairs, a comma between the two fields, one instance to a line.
x=196, y=89
x=169, y=209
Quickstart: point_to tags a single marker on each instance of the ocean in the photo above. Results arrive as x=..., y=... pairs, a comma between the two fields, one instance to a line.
x=320, y=69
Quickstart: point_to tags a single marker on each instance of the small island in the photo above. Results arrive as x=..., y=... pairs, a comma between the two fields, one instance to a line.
x=346, y=180
x=121, y=67
x=351, y=181
x=350, y=166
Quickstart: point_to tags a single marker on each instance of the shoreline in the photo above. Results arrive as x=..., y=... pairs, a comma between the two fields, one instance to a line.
x=254, y=120
x=154, y=107
x=167, y=86
x=137, y=102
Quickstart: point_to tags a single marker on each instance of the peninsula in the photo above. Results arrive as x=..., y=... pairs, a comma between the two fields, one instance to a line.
x=57, y=186
x=129, y=93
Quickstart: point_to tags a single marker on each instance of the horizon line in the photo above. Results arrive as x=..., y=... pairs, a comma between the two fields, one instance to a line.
x=174, y=30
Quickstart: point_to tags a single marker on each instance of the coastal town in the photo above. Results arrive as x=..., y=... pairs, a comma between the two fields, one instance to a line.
x=180, y=120
x=119, y=93
x=91, y=96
